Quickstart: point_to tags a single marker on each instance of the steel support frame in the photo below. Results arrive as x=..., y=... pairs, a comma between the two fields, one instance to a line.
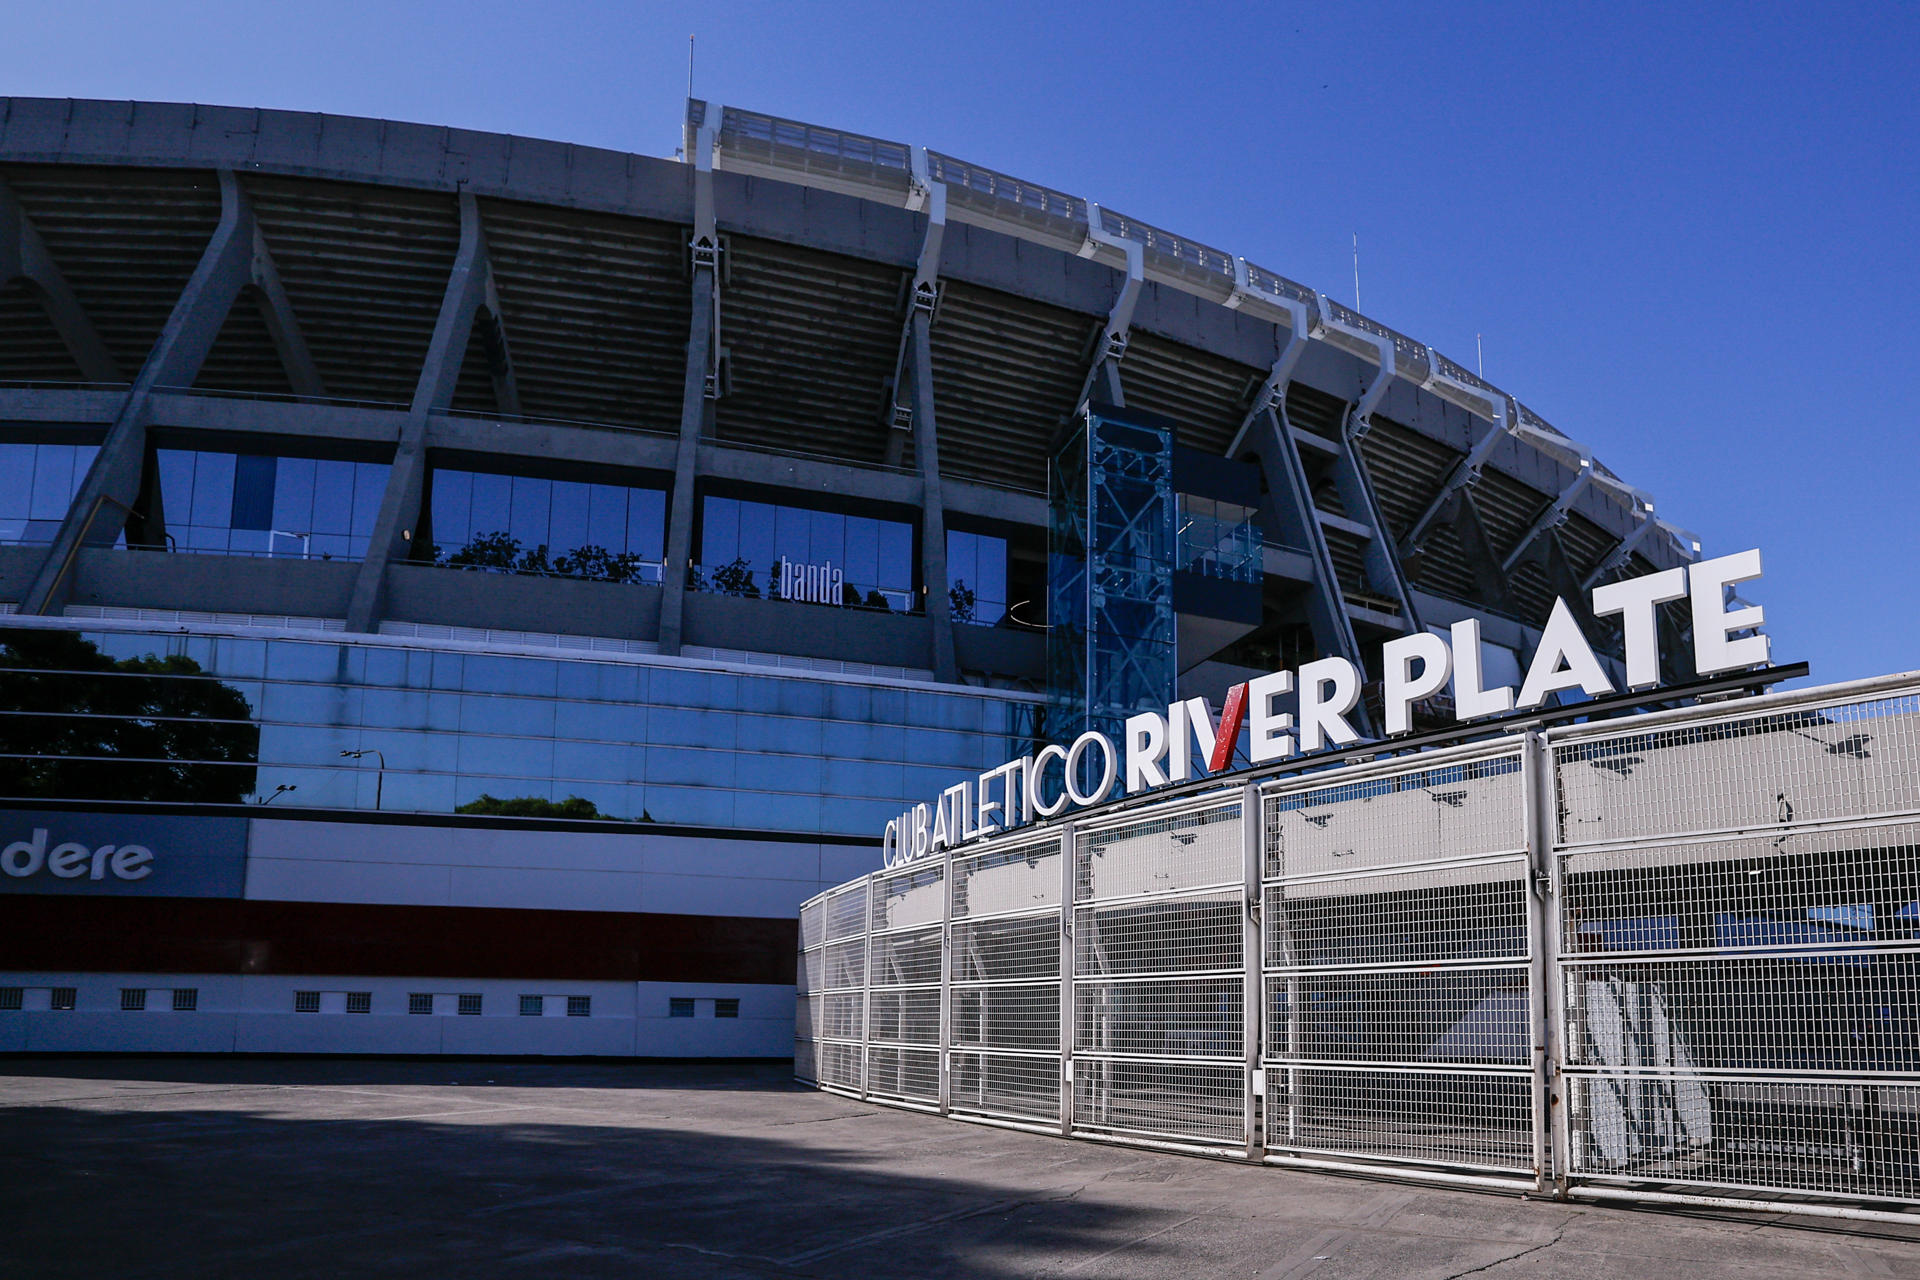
x=1069, y=863
x=1556, y=514
x=1253, y=966
x=226, y=267
x=1384, y=573
x=23, y=255
x=700, y=384
x=468, y=294
x=1110, y=347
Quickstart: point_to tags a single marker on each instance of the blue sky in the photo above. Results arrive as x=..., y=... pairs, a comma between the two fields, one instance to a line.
x=1686, y=232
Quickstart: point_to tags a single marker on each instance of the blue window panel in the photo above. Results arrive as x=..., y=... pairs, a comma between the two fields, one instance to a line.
x=614, y=799
x=420, y=792
x=413, y=752
x=889, y=706
x=531, y=512
x=862, y=551
x=511, y=758
x=293, y=494
x=926, y=781
x=848, y=778
x=692, y=806
x=793, y=533
x=449, y=670
x=857, y=816
x=296, y=660
x=896, y=557
x=384, y=667
x=849, y=702
x=689, y=767
x=332, y=497
x=679, y=728
x=671, y=688
x=212, y=499
x=780, y=812
x=369, y=488
x=452, y=509
x=55, y=477
x=491, y=713
x=253, y=476
x=801, y=697
x=719, y=531
x=306, y=703
x=318, y=746
x=567, y=527
x=602, y=681
x=492, y=509
x=757, y=534
x=933, y=747
x=769, y=772
x=828, y=540
x=779, y=733
x=597, y=761
x=606, y=516
x=637, y=763
x=944, y=711
x=864, y=741
x=647, y=523
x=16, y=481
x=601, y=721
x=530, y=676
x=236, y=658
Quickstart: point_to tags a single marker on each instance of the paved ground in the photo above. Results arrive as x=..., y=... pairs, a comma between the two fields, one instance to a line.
x=288, y=1168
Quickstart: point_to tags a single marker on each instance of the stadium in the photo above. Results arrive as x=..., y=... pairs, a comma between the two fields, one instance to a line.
x=466, y=592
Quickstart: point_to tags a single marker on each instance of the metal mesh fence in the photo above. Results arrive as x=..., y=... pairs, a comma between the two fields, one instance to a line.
x=1699, y=930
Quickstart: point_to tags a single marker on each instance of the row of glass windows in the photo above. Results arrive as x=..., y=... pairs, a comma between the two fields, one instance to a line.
x=310, y=508
x=37, y=484
x=354, y=726
x=256, y=505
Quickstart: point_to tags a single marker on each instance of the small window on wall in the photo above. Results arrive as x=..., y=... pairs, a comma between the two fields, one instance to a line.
x=420, y=1002
x=679, y=1007
x=252, y=504
x=306, y=1002
x=10, y=998
x=579, y=1006
x=547, y=528
x=186, y=999
x=37, y=484
x=359, y=1002
x=976, y=577
x=726, y=1008
x=133, y=999
x=63, y=999
x=470, y=1005
x=532, y=1006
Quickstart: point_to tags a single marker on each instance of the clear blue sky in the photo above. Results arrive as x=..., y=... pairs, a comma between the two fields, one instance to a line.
x=1687, y=232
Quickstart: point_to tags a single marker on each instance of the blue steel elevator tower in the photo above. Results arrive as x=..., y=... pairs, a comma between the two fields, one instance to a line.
x=1112, y=509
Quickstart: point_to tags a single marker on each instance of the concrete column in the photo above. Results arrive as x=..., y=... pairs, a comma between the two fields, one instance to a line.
x=933, y=520
x=24, y=255
x=693, y=409
x=107, y=496
x=393, y=529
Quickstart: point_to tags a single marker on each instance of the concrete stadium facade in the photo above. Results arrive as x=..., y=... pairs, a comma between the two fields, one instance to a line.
x=488, y=474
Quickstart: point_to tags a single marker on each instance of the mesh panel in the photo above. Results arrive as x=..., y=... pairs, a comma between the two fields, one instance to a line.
x=1183, y=1101
x=1004, y=1085
x=813, y=924
x=841, y=1016
x=1450, y=1118
x=1007, y=949
x=1476, y=912
x=839, y=1065
x=910, y=1016
x=1024, y=877
x=912, y=1074
x=845, y=910
x=806, y=1060
x=1840, y=1138
x=1007, y=1017
x=845, y=964
x=1416, y=1017
x=1403, y=816
x=1193, y=850
x=916, y=896
x=1803, y=765
x=1179, y=1018
x=1170, y=936
x=906, y=959
x=811, y=974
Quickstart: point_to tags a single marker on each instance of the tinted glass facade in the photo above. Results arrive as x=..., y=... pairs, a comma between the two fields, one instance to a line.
x=742, y=544
x=257, y=505
x=529, y=525
x=439, y=729
x=37, y=483
x=977, y=577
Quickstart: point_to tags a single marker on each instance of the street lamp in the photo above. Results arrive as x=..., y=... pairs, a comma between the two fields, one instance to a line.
x=279, y=791
x=380, y=783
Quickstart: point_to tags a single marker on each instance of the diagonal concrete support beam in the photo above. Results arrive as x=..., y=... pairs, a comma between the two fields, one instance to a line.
x=933, y=519
x=923, y=297
x=699, y=387
x=105, y=502
x=23, y=255
x=1464, y=476
x=1110, y=347
x=463, y=301
x=1553, y=517
x=302, y=373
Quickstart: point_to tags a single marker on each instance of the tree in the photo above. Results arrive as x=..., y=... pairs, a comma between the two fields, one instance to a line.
x=90, y=727
x=532, y=807
x=960, y=601
x=735, y=579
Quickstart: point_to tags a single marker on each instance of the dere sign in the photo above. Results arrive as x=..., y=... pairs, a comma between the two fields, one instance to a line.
x=1413, y=667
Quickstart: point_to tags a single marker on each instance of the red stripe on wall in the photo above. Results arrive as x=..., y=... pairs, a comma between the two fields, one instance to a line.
x=226, y=935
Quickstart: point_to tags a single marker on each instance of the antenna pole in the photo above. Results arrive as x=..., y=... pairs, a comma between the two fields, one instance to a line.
x=1479, y=356
x=1356, y=271
x=689, y=68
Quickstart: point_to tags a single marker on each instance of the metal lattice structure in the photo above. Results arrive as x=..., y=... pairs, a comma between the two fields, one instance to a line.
x=1672, y=956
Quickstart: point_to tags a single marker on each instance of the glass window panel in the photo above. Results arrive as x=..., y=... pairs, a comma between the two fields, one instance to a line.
x=865, y=778
x=596, y=761
x=489, y=713
x=531, y=515
x=720, y=532
x=332, y=497
x=568, y=526
x=863, y=552
x=829, y=539
x=293, y=660
x=778, y=733
x=369, y=487
x=792, y=534
x=452, y=509
x=774, y=812
x=606, y=516
x=212, y=497
x=16, y=480
x=693, y=767
x=673, y=727
x=53, y=482
x=896, y=557
x=492, y=505
x=523, y=764
x=647, y=523
x=757, y=532
x=694, y=806
x=783, y=773
x=534, y=676
x=606, y=681
x=293, y=495
x=253, y=482
x=960, y=557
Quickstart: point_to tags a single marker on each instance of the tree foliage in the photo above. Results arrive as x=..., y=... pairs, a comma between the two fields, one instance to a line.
x=89, y=727
x=501, y=552
x=532, y=807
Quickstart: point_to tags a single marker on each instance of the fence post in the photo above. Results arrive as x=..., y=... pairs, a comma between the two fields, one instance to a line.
x=866, y=988
x=946, y=984
x=1253, y=986
x=1069, y=860
x=1544, y=978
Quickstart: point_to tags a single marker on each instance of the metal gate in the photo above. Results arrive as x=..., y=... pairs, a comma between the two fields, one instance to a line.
x=1673, y=956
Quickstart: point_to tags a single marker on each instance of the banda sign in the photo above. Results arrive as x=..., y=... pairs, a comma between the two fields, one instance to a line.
x=1156, y=749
